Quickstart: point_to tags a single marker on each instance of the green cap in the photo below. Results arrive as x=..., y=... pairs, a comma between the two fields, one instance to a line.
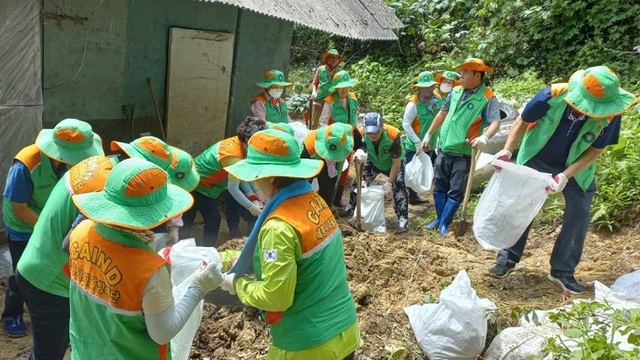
x=334, y=142
x=136, y=196
x=273, y=153
x=70, y=141
x=424, y=79
x=341, y=79
x=450, y=75
x=149, y=148
x=596, y=92
x=273, y=77
x=280, y=126
x=182, y=171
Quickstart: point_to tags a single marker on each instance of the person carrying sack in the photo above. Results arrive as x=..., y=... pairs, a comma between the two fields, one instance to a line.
x=463, y=117
x=564, y=129
x=384, y=154
x=296, y=253
x=418, y=115
x=121, y=296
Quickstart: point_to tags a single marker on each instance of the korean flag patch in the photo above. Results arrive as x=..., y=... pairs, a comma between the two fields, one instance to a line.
x=271, y=255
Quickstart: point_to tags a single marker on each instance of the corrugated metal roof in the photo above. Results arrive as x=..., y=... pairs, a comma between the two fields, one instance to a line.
x=357, y=19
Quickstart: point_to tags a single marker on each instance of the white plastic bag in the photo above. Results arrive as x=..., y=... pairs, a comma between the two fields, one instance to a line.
x=185, y=258
x=300, y=130
x=455, y=328
x=418, y=174
x=372, y=210
x=511, y=200
x=628, y=285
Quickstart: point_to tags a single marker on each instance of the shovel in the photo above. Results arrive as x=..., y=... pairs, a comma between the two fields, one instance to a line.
x=359, y=197
x=461, y=226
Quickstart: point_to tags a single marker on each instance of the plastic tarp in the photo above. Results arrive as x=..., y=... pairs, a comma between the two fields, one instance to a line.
x=20, y=78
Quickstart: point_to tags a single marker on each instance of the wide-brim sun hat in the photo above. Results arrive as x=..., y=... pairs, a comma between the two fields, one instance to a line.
x=474, y=64
x=273, y=77
x=424, y=79
x=69, y=142
x=331, y=52
x=596, y=92
x=341, y=79
x=334, y=142
x=182, y=171
x=136, y=196
x=280, y=126
x=149, y=148
x=449, y=75
x=274, y=153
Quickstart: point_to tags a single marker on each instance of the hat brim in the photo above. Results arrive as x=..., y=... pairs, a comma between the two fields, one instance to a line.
x=371, y=129
x=344, y=84
x=424, y=84
x=246, y=171
x=266, y=84
x=595, y=109
x=47, y=146
x=475, y=67
x=326, y=55
x=188, y=183
x=100, y=209
x=127, y=148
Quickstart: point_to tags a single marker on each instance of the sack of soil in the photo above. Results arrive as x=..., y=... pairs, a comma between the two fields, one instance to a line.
x=185, y=258
x=372, y=210
x=511, y=200
x=456, y=327
x=419, y=173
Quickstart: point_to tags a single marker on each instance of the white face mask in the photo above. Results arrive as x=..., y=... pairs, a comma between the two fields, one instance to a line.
x=275, y=93
x=446, y=88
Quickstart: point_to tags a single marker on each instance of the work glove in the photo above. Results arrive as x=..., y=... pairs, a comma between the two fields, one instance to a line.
x=560, y=182
x=425, y=142
x=480, y=142
x=208, y=278
x=360, y=156
x=504, y=155
x=173, y=235
x=228, y=280
x=418, y=145
x=387, y=187
x=255, y=209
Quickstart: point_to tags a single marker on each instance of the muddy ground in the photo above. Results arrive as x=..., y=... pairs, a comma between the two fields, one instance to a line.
x=388, y=272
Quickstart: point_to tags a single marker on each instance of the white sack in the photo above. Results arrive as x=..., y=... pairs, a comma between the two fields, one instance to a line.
x=372, y=210
x=418, y=174
x=628, y=285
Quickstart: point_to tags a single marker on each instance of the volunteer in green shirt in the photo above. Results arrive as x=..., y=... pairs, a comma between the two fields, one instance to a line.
x=418, y=115
x=33, y=174
x=447, y=80
x=342, y=104
x=322, y=82
x=563, y=130
x=296, y=253
x=384, y=154
x=464, y=115
x=269, y=104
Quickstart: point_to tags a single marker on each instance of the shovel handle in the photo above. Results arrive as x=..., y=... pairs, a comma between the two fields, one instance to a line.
x=467, y=192
x=359, y=197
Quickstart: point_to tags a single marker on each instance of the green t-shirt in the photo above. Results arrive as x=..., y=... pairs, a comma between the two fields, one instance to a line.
x=43, y=258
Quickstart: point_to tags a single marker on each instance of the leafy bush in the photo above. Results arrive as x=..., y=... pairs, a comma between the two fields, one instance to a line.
x=518, y=89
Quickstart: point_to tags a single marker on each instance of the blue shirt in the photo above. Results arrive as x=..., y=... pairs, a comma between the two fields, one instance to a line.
x=19, y=189
x=556, y=150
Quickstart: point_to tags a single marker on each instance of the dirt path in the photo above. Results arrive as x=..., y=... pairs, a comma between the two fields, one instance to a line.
x=387, y=273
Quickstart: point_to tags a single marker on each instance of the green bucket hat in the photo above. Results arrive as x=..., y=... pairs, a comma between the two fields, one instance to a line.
x=182, y=171
x=69, y=142
x=149, y=148
x=280, y=126
x=136, y=196
x=450, y=75
x=273, y=153
x=273, y=77
x=334, y=142
x=341, y=79
x=596, y=92
x=424, y=79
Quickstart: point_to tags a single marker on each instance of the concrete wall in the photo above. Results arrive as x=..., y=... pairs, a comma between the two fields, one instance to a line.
x=98, y=55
